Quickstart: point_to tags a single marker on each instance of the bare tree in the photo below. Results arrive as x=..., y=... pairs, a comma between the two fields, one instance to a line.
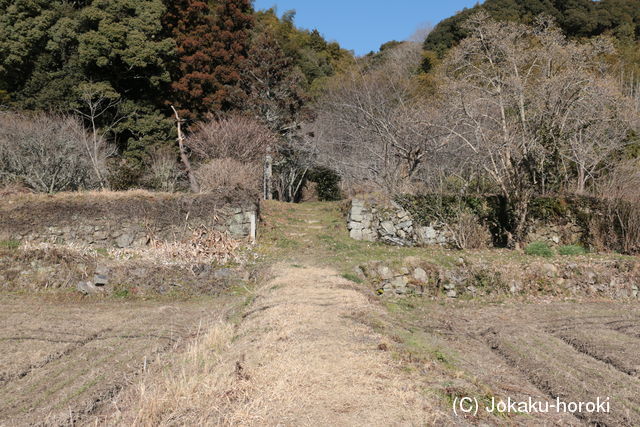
x=371, y=126
x=229, y=173
x=421, y=32
x=598, y=124
x=237, y=136
x=291, y=167
x=45, y=152
x=184, y=156
x=100, y=110
x=164, y=170
x=515, y=102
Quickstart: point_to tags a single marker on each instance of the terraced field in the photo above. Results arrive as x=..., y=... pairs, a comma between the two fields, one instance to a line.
x=315, y=345
x=61, y=359
x=567, y=351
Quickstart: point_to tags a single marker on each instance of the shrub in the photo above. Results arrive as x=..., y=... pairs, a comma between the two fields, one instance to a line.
x=229, y=173
x=327, y=182
x=428, y=208
x=236, y=137
x=45, y=152
x=572, y=250
x=539, y=249
x=547, y=208
x=163, y=172
x=468, y=232
x=124, y=175
x=465, y=217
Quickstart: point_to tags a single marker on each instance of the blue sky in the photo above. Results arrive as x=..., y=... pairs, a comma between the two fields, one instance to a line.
x=362, y=25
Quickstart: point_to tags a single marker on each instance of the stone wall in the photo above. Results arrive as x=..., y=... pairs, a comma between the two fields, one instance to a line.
x=391, y=224
x=124, y=220
x=476, y=277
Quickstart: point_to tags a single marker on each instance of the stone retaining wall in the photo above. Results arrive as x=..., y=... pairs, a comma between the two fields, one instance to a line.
x=124, y=221
x=388, y=222
x=475, y=277
x=391, y=224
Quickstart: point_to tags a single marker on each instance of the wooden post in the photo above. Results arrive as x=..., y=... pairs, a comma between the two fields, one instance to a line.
x=268, y=173
x=193, y=183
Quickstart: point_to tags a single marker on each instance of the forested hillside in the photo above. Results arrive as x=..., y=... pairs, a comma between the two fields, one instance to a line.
x=521, y=98
x=577, y=18
x=120, y=64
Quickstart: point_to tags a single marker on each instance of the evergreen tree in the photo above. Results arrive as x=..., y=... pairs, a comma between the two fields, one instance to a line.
x=24, y=35
x=122, y=46
x=577, y=18
x=192, y=25
x=234, y=20
x=307, y=50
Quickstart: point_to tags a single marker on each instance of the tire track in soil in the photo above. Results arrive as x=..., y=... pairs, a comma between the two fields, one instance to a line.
x=610, y=348
x=52, y=358
x=626, y=327
x=105, y=397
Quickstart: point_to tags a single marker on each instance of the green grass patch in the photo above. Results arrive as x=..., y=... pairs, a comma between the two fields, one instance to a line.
x=402, y=305
x=102, y=251
x=441, y=357
x=121, y=290
x=352, y=277
x=539, y=249
x=572, y=250
x=121, y=293
x=9, y=244
x=285, y=243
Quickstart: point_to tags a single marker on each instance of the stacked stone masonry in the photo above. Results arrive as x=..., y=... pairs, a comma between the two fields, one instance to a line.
x=392, y=225
x=136, y=230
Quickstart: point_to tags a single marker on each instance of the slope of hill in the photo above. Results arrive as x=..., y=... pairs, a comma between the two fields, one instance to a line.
x=578, y=18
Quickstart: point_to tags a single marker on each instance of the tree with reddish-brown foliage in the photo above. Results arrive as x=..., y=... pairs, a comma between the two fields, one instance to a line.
x=191, y=23
x=212, y=50
x=234, y=20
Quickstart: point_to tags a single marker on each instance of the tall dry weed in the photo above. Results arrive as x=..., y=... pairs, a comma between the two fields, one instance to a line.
x=187, y=391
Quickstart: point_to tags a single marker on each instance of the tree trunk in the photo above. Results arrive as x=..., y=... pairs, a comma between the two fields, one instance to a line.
x=268, y=176
x=581, y=180
x=520, y=209
x=193, y=183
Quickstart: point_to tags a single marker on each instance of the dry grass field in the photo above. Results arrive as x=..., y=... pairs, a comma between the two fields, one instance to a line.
x=62, y=358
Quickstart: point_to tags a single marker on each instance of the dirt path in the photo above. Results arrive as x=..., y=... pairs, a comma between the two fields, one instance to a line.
x=306, y=360
x=305, y=355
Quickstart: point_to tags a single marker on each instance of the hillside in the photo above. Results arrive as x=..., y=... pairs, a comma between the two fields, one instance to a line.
x=578, y=18
x=120, y=65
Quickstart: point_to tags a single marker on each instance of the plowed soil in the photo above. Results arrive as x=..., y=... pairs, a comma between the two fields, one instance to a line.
x=60, y=360
x=574, y=352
